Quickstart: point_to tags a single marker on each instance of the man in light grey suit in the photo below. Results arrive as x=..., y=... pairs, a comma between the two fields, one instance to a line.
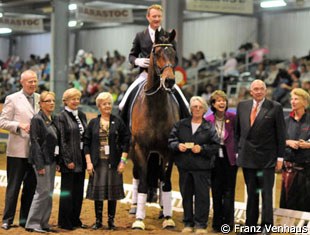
x=17, y=112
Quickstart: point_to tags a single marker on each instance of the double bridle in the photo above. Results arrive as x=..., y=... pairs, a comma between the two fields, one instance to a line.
x=159, y=70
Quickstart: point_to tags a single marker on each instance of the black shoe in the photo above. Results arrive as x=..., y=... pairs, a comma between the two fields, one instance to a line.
x=97, y=225
x=111, y=225
x=50, y=230
x=83, y=226
x=5, y=226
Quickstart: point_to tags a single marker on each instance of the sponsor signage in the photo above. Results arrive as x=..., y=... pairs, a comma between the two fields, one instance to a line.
x=22, y=24
x=92, y=14
x=222, y=6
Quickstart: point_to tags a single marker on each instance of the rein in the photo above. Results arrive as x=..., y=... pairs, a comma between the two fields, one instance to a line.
x=158, y=70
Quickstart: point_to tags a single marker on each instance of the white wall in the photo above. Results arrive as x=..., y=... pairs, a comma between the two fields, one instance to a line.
x=108, y=39
x=217, y=35
x=38, y=44
x=287, y=34
x=4, y=49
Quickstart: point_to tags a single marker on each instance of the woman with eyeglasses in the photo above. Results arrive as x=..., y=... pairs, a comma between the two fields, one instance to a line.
x=43, y=155
x=195, y=143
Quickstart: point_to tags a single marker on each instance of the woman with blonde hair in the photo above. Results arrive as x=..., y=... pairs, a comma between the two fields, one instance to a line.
x=43, y=155
x=295, y=192
x=106, y=149
x=72, y=125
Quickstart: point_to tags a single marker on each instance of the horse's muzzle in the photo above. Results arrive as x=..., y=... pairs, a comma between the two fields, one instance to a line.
x=169, y=82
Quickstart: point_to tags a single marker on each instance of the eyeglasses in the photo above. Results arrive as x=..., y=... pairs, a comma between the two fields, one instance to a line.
x=48, y=101
x=197, y=107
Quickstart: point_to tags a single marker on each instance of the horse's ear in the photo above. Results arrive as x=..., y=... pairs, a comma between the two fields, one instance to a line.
x=172, y=35
x=157, y=34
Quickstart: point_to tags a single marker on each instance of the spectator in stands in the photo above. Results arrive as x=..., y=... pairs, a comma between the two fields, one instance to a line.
x=304, y=73
x=295, y=192
x=43, y=152
x=272, y=75
x=306, y=85
x=284, y=82
x=230, y=67
x=261, y=72
x=260, y=135
x=223, y=177
x=293, y=66
x=206, y=94
x=72, y=125
x=15, y=117
x=195, y=144
x=106, y=149
x=202, y=62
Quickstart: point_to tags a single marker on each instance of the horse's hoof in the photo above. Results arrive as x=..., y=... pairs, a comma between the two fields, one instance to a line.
x=138, y=224
x=133, y=210
x=168, y=224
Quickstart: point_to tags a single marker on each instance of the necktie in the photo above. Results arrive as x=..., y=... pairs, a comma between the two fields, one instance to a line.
x=31, y=101
x=253, y=114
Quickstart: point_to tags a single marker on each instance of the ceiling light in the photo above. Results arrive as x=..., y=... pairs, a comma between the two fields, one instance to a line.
x=72, y=7
x=1, y=14
x=5, y=30
x=72, y=23
x=273, y=3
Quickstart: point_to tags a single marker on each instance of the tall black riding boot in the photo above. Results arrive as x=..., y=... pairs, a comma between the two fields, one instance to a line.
x=98, y=212
x=111, y=213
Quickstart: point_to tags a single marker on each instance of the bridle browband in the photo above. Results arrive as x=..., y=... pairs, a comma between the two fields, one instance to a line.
x=158, y=70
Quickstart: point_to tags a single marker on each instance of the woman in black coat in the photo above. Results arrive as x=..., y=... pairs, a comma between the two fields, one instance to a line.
x=44, y=151
x=106, y=147
x=72, y=125
x=195, y=143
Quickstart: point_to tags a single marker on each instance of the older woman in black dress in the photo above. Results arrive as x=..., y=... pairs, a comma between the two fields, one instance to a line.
x=106, y=147
x=72, y=125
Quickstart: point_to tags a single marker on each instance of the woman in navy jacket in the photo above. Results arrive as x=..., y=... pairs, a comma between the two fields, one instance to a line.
x=106, y=147
x=195, y=143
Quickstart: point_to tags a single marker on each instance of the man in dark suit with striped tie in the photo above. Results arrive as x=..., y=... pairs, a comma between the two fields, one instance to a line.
x=260, y=134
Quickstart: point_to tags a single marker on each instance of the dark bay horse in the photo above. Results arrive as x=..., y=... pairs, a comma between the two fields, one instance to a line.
x=153, y=115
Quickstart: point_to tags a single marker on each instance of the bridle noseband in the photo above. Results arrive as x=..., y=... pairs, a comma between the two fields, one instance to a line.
x=159, y=70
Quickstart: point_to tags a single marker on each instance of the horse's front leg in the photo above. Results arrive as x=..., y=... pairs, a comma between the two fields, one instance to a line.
x=142, y=188
x=167, y=195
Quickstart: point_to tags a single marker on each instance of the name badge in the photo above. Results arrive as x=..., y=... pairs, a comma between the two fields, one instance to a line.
x=56, y=151
x=221, y=154
x=107, y=149
x=81, y=145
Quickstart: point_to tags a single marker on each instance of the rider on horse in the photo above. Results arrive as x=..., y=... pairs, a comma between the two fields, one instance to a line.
x=139, y=57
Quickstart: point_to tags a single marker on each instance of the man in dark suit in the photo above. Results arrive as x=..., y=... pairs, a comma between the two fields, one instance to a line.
x=17, y=112
x=260, y=134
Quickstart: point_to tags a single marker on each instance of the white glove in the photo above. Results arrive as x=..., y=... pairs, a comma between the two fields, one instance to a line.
x=142, y=62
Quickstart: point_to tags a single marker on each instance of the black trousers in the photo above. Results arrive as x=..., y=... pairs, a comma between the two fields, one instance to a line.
x=18, y=171
x=195, y=183
x=223, y=181
x=259, y=180
x=71, y=199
